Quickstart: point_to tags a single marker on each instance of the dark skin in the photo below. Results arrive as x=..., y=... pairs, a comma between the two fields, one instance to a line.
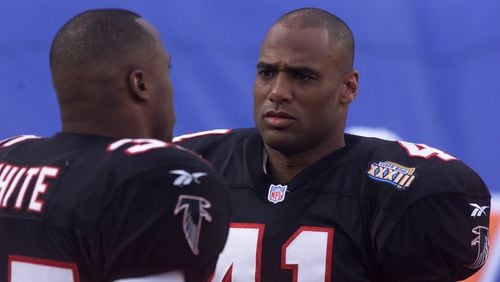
x=301, y=96
x=126, y=96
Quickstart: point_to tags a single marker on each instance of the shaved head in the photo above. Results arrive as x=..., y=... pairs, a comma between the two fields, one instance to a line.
x=340, y=35
x=98, y=36
x=110, y=72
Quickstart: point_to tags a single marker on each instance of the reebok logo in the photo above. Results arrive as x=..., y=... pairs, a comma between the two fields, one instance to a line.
x=186, y=178
x=478, y=210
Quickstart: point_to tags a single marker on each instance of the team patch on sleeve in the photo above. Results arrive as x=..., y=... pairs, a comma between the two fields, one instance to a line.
x=480, y=242
x=395, y=174
x=195, y=211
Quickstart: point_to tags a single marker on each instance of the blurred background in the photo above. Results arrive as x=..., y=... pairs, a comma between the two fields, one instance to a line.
x=429, y=70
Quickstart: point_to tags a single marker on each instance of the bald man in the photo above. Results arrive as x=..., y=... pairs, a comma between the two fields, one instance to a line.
x=315, y=204
x=109, y=198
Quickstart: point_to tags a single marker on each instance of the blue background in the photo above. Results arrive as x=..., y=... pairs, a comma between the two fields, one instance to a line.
x=429, y=70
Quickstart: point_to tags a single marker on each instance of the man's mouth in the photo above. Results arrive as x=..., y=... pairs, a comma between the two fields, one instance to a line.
x=278, y=120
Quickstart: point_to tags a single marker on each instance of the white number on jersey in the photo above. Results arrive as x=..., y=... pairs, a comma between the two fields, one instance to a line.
x=241, y=258
x=26, y=269
x=424, y=151
x=308, y=253
x=138, y=146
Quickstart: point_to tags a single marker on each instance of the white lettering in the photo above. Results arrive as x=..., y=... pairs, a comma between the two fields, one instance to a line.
x=5, y=177
x=33, y=181
x=29, y=175
x=13, y=185
x=41, y=187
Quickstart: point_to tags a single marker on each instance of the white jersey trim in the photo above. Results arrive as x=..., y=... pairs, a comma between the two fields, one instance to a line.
x=16, y=139
x=201, y=133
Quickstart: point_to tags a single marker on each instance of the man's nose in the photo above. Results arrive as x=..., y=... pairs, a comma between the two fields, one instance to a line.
x=281, y=91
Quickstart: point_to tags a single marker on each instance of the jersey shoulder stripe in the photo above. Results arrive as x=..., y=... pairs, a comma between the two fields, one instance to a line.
x=201, y=133
x=16, y=139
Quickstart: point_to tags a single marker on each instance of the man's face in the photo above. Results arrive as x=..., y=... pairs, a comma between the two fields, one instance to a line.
x=297, y=90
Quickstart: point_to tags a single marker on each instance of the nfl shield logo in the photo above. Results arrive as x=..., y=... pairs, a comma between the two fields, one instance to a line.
x=276, y=193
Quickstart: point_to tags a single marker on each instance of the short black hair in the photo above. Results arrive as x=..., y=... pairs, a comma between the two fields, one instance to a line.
x=97, y=35
x=339, y=33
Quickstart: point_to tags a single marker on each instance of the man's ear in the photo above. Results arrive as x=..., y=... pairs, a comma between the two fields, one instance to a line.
x=350, y=87
x=138, y=85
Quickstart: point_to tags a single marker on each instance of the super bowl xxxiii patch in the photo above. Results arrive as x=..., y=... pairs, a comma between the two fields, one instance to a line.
x=395, y=174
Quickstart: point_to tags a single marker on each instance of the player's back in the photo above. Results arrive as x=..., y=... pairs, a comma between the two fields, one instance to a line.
x=88, y=208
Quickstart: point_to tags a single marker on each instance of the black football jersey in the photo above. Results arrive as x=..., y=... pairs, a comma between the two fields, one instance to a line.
x=77, y=207
x=373, y=210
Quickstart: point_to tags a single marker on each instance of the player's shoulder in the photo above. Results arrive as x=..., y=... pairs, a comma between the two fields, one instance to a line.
x=160, y=168
x=163, y=169
x=137, y=155
x=219, y=142
x=422, y=169
x=214, y=136
x=18, y=139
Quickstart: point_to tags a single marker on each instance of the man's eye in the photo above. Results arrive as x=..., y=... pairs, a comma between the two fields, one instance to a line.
x=302, y=77
x=265, y=73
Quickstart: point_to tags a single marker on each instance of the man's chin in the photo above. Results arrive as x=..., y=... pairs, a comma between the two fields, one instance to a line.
x=281, y=141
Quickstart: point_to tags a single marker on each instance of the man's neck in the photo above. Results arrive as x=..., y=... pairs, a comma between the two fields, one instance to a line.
x=282, y=168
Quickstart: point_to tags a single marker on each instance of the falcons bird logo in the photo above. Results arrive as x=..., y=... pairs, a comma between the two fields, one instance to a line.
x=195, y=210
x=481, y=242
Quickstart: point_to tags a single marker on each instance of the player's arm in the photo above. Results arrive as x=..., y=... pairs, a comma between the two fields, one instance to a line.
x=170, y=218
x=442, y=237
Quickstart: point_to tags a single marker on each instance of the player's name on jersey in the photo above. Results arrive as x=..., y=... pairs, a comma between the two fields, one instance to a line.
x=23, y=188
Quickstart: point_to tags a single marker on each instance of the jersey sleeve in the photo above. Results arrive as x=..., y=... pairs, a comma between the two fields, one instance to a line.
x=440, y=237
x=172, y=217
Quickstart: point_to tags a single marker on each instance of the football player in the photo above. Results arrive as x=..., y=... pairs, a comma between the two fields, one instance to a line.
x=109, y=198
x=315, y=204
